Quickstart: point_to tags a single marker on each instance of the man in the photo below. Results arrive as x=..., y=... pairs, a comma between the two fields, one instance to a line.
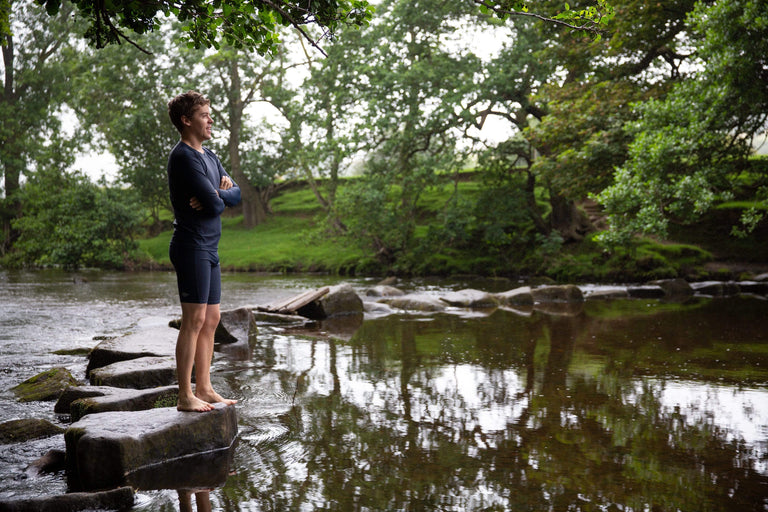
x=200, y=189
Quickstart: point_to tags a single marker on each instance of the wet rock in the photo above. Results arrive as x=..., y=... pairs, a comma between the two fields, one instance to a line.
x=115, y=499
x=757, y=288
x=608, y=294
x=141, y=373
x=104, y=449
x=44, y=386
x=381, y=290
x=156, y=341
x=340, y=300
x=421, y=303
x=51, y=462
x=646, y=292
x=518, y=297
x=674, y=287
x=470, y=299
x=716, y=288
x=17, y=431
x=237, y=325
x=95, y=399
x=558, y=293
x=377, y=309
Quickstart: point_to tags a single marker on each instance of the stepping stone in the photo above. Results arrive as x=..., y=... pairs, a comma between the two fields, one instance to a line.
x=518, y=297
x=104, y=450
x=470, y=299
x=157, y=341
x=141, y=373
x=81, y=400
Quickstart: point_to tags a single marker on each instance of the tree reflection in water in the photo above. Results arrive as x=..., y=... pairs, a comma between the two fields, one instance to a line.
x=511, y=412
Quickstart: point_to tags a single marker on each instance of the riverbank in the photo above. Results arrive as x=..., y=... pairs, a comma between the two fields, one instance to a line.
x=291, y=241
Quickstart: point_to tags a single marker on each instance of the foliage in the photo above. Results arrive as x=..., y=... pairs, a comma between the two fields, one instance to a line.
x=34, y=87
x=249, y=24
x=122, y=94
x=592, y=19
x=72, y=222
x=686, y=146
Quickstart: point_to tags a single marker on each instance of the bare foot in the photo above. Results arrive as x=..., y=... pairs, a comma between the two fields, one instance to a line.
x=193, y=405
x=213, y=397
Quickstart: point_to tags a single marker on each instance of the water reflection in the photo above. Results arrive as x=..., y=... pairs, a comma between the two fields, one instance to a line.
x=620, y=405
x=606, y=408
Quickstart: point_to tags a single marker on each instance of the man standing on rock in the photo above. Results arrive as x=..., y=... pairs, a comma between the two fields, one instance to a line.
x=200, y=190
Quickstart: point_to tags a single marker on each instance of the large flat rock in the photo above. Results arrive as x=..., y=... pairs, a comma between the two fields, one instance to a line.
x=140, y=373
x=153, y=341
x=77, y=401
x=104, y=450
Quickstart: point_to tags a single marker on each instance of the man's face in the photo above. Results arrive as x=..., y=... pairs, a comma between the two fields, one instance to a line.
x=199, y=125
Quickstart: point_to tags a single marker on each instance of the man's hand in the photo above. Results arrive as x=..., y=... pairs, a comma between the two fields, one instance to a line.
x=226, y=183
x=195, y=203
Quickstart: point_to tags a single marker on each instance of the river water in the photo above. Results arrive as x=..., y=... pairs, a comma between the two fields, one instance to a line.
x=631, y=405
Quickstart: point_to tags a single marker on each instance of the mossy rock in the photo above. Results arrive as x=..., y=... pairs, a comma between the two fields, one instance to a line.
x=18, y=431
x=45, y=386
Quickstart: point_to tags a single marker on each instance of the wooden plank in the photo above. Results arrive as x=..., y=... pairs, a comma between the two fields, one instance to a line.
x=292, y=304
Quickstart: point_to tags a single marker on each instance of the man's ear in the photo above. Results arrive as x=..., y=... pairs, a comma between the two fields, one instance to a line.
x=186, y=121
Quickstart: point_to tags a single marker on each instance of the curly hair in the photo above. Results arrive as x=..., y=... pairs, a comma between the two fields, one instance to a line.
x=184, y=105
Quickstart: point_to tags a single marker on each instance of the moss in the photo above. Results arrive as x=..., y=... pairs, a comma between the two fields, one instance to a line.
x=17, y=431
x=47, y=385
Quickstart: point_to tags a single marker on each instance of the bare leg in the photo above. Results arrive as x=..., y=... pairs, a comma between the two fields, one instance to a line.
x=204, y=355
x=192, y=321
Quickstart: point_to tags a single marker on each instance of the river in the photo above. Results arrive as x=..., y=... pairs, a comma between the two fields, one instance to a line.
x=629, y=405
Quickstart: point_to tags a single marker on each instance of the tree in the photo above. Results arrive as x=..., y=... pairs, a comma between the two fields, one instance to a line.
x=34, y=87
x=241, y=81
x=72, y=222
x=253, y=24
x=122, y=94
x=582, y=138
x=687, y=146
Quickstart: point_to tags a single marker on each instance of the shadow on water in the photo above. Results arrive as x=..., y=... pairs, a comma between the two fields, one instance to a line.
x=617, y=405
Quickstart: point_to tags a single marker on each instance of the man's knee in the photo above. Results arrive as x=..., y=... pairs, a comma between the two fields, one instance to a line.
x=212, y=319
x=193, y=317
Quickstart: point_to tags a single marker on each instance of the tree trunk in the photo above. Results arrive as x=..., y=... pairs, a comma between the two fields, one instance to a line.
x=254, y=207
x=568, y=220
x=10, y=206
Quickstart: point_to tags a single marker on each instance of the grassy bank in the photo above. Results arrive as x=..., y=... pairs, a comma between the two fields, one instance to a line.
x=287, y=241
x=290, y=241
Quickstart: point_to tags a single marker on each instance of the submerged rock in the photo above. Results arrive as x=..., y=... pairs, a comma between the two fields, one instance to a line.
x=17, y=431
x=104, y=449
x=44, y=386
x=52, y=461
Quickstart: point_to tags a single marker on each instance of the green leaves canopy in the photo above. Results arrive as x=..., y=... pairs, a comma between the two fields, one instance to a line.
x=209, y=23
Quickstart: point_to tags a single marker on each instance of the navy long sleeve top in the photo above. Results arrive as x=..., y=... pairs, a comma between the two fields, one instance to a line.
x=194, y=174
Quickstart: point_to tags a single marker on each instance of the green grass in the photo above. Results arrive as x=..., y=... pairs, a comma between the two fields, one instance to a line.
x=287, y=241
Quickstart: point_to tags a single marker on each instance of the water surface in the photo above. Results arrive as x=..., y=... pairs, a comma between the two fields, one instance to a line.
x=622, y=405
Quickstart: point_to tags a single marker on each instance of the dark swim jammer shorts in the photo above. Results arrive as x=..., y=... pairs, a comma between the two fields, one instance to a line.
x=198, y=275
